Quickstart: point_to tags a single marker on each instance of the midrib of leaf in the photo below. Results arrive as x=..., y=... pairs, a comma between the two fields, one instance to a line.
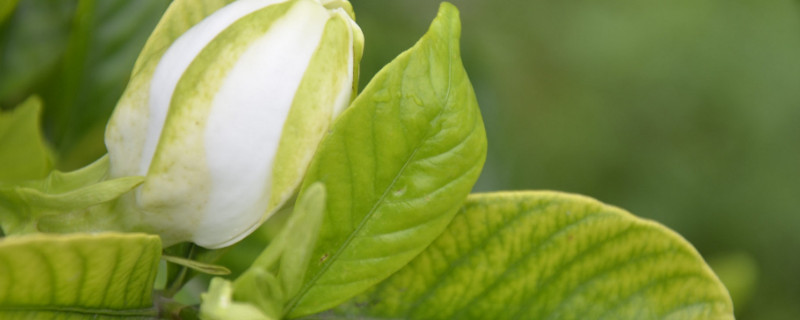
x=293, y=302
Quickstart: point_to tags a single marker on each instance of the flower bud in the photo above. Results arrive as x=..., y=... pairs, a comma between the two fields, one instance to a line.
x=225, y=123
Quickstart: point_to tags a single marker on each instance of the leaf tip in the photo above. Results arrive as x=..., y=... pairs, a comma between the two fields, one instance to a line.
x=449, y=17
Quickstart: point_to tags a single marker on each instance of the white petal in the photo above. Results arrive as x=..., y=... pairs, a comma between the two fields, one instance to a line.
x=246, y=121
x=177, y=59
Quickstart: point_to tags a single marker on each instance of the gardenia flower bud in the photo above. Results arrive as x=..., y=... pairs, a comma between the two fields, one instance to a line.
x=225, y=125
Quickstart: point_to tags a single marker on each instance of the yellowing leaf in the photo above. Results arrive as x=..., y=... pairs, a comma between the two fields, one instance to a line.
x=549, y=255
x=397, y=166
x=78, y=276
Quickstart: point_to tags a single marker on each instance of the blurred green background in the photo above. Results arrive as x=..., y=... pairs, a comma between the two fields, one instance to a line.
x=685, y=112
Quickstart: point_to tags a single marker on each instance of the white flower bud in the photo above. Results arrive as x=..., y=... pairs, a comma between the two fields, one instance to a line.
x=225, y=125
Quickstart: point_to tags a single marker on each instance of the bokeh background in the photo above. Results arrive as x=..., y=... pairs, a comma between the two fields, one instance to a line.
x=686, y=112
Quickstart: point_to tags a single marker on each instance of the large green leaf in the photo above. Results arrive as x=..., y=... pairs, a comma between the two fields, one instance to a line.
x=78, y=276
x=23, y=152
x=549, y=255
x=397, y=165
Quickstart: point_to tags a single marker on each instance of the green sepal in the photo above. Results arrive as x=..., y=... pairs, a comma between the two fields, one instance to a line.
x=218, y=305
x=64, y=202
x=202, y=267
x=186, y=260
x=261, y=289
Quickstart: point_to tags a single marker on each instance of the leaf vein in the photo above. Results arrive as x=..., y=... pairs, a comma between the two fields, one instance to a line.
x=605, y=271
x=474, y=250
x=367, y=217
x=550, y=238
x=646, y=287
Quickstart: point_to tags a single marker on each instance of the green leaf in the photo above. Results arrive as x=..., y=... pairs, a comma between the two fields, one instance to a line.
x=549, y=255
x=290, y=251
x=78, y=276
x=301, y=238
x=75, y=201
x=397, y=165
x=23, y=152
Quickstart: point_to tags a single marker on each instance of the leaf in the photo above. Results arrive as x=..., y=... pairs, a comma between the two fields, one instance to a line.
x=301, y=238
x=23, y=152
x=290, y=251
x=78, y=276
x=397, y=165
x=64, y=202
x=549, y=255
